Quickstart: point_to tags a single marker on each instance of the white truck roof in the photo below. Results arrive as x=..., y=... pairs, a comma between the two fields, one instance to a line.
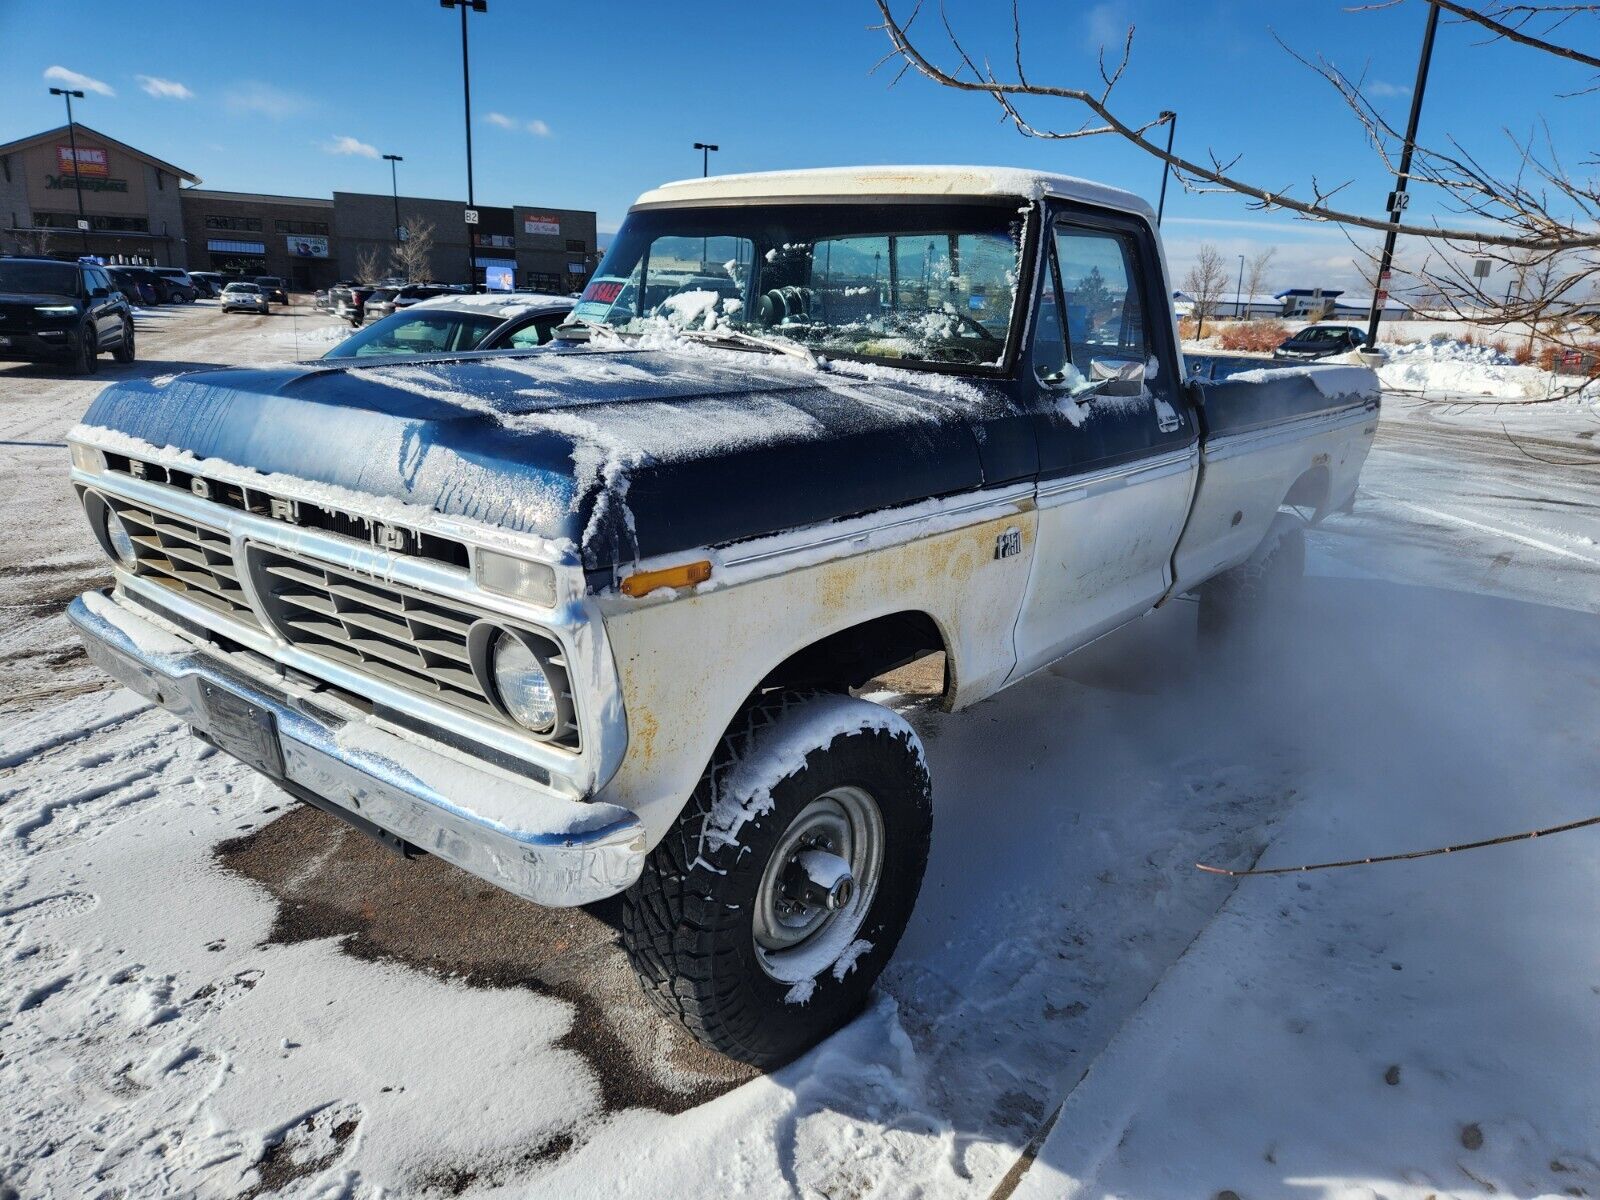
x=892, y=180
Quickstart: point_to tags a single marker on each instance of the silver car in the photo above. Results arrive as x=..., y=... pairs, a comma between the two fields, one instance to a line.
x=245, y=297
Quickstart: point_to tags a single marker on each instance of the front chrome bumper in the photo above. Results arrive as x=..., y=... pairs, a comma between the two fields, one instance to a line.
x=560, y=852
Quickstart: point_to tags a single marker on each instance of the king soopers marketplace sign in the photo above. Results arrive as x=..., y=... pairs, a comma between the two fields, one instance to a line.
x=66, y=183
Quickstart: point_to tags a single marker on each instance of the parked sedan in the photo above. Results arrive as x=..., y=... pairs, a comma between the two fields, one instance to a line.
x=1320, y=341
x=245, y=297
x=211, y=282
x=180, y=288
x=134, y=286
x=453, y=323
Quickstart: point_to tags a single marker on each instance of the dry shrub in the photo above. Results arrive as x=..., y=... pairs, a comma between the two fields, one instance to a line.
x=1550, y=359
x=1188, y=328
x=1523, y=354
x=1466, y=338
x=1499, y=346
x=1257, y=336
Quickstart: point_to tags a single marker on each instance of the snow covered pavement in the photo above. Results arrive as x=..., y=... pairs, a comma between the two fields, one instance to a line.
x=210, y=990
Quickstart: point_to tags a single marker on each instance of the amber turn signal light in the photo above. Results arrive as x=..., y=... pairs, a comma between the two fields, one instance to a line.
x=642, y=583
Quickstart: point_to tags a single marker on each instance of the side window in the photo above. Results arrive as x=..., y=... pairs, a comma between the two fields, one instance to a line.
x=536, y=333
x=1091, y=330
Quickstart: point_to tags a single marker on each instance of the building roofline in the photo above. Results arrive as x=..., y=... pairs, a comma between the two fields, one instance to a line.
x=61, y=131
x=256, y=197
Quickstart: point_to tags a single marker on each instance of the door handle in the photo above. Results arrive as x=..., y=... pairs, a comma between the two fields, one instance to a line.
x=1169, y=423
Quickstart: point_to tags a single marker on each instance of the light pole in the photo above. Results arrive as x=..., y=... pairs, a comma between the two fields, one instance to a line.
x=394, y=187
x=77, y=178
x=705, y=149
x=1238, y=295
x=1170, y=118
x=479, y=6
x=1398, y=198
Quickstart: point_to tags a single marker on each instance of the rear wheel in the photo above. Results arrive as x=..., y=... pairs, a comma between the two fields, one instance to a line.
x=124, y=352
x=1240, y=597
x=765, y=915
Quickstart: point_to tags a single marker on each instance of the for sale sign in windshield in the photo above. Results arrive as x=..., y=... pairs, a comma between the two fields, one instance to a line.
x=89, y=162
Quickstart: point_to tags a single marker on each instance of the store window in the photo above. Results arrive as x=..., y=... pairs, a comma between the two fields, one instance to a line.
x=576, y=245
x=542, y=281
x=246, y=224
x=105, y=224
x=302, y=228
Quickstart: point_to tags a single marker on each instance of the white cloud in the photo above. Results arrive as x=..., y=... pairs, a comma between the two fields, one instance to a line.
x=1108, y=24
x=83, y=83
x=1377, y=87
x=164, y=89
x=348, y=145
x=265, y=100
x=501, y=121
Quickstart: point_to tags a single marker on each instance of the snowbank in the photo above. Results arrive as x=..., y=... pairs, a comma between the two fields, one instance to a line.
x=1443, y=364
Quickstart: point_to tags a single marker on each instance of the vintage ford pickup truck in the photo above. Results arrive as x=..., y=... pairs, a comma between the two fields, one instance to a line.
x=594, y=618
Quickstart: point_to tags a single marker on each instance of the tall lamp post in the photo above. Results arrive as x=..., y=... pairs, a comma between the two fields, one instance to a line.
x=478, y=6
x=1170, y=119
x=394, y=188
x=705, y=149
x=1398, y=198
x=1238, y=294
x=77, y=177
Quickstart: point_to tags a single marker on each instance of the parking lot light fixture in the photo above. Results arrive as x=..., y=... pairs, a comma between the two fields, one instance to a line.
x=705, y=149
x=77, y=178
x=394, y=187
x=477, y=6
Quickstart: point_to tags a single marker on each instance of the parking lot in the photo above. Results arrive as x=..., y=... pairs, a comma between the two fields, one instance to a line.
x=212, y=989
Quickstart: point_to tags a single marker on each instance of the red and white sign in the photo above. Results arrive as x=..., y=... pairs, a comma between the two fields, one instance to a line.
x=90, y=162
x=541, y=225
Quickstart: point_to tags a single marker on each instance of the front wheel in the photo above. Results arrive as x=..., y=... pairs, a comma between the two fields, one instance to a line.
x=85, y=358
x=124, y=353
x=765, y=915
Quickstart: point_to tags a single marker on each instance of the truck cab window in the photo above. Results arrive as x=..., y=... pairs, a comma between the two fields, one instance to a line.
x=1090, y=333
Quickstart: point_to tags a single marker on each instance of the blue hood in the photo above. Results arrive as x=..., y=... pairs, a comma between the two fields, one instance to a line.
x=627, y=452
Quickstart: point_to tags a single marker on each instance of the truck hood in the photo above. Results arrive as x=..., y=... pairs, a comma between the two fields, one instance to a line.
x=626, y=452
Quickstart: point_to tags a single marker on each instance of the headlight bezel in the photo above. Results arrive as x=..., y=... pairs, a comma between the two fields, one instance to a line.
x=484, y=640
x=101, y=515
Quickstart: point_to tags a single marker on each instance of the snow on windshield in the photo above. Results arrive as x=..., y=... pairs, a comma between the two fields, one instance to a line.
x=927, y=283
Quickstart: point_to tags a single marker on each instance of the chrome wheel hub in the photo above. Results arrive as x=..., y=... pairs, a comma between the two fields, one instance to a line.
x=819, y=884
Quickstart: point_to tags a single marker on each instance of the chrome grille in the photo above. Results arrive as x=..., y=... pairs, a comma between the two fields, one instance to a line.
x=401, y=636
x=193, y=560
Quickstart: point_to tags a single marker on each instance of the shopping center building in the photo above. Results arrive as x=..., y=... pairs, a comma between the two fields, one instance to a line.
x=137, y=210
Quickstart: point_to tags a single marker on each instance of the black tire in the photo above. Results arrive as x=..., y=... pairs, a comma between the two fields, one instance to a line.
x=85, y=358
x=689, y=922
x=124, y=353
x=1236, y=599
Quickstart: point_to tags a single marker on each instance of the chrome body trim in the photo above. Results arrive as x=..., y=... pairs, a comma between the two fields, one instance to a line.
x=1228, y=445
x=1069, y=488
x=585, y=851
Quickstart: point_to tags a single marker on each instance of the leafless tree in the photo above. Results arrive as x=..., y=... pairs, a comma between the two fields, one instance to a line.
x=413, y=258
x=369, y=264
x=34, y=242
x=1256, y=268
x=1204, y=283
x=1537, y=212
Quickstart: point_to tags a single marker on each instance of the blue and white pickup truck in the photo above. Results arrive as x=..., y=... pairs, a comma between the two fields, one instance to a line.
x=593, y=618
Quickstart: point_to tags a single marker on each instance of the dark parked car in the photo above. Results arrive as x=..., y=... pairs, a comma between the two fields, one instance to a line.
x=136, y=287
x=391, y=300
x=349, y=301
x=62, y=312
x=451, y=323
x=1321, y=341
x=277, y=289
x=180, y=287
x=211, y=281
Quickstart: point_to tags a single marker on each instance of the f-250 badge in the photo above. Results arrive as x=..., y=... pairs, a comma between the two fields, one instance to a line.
x=1008, y=543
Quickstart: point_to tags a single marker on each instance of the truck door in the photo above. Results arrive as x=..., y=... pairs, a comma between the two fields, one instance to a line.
x=1118, y=445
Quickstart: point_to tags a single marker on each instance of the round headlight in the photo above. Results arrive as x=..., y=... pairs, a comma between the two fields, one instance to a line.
x=523, y=685
x=121, y=541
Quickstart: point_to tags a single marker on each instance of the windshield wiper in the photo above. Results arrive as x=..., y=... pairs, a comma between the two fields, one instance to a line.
x=738, y=337
x=590, y=328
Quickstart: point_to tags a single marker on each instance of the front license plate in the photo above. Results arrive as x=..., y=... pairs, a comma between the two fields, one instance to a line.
x=244, y=730
x=5, y=341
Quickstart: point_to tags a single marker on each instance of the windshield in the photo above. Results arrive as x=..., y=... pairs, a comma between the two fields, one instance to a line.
x=413, y=332
x=52, y=279
x=242, y=287
x=905, y=283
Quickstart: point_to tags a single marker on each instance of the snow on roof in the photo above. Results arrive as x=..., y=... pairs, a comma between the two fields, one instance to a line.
x=892, y=180
x=502, y=304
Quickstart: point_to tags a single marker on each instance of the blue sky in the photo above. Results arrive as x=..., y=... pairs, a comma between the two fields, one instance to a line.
x=586, y=106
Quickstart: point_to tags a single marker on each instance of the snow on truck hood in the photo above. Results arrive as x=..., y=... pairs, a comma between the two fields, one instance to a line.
x=625, y=452
x=930, y=181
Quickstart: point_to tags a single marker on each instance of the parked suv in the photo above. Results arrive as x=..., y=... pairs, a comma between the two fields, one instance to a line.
x=276, y=288
x=211, y=282
x=137, y=287
x=390, y=300
x=180, y=288
x=62, y=312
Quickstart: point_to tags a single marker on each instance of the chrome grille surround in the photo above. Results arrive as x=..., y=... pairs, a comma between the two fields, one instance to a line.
x=577, y=766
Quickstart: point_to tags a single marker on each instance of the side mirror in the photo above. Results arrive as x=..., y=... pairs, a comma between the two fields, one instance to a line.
x=98, y=293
